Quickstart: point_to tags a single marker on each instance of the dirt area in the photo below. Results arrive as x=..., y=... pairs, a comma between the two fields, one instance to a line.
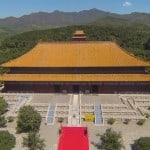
x=101, y=99
x=50, y=98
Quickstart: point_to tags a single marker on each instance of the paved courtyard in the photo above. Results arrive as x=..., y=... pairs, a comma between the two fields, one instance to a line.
x=66, y=106
x=129, y=133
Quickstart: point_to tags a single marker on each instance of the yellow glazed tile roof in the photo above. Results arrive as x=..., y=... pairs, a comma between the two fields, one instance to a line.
x=76, y=54
x=76, y=77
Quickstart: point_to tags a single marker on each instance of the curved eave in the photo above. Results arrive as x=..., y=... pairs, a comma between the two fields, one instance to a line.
x=77, y=77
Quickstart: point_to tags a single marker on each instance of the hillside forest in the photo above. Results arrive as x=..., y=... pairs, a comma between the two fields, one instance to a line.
x=134, y=38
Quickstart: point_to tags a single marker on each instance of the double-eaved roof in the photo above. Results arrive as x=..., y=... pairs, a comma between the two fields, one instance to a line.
x=76, y=54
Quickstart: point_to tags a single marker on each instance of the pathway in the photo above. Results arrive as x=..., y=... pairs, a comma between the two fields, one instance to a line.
x=74, y=111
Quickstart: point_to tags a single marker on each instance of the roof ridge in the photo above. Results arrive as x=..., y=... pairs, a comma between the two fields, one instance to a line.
x=72, y=42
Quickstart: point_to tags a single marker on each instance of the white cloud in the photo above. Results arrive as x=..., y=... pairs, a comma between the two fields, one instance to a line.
x=127, y=4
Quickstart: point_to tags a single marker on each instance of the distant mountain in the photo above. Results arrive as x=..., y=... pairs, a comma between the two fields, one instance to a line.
x=42, y=20
x=138, y=17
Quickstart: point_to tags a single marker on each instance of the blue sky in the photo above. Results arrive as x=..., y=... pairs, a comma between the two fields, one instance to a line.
x=21, y=7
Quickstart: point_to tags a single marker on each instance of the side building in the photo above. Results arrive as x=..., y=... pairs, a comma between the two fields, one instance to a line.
x=79, y=66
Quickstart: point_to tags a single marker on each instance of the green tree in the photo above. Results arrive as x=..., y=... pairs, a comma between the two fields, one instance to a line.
x=28, y=120
x=142, y=143
x=4, y=70
x=111, y=121
x=60, y=120
x=140, y=122
x=2, y=121
x=10, y=118
x=3, y=106
x=7, y=140
x=111, y=140
x=147, y=44
x=33, y=141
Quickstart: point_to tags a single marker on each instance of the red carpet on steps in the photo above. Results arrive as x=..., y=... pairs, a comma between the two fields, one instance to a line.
x=73, y=138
